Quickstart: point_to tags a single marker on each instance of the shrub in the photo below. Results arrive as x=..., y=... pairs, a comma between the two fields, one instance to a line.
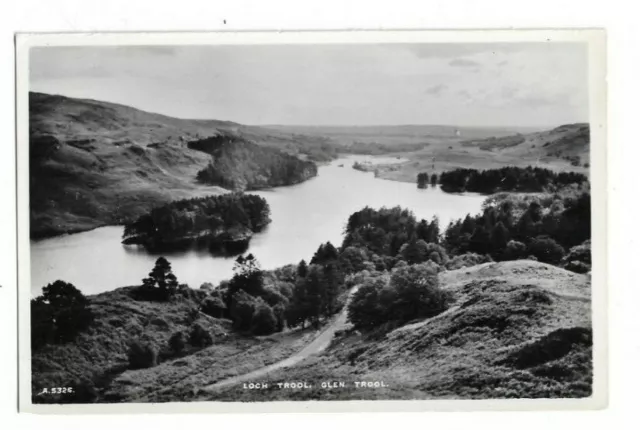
x=142, y=355
x=412, y=292
x=213, y=306
x=177, y=342
x=264, y=320
x=546, y=250
x=577, y=267
x=514, y=250
x=580, y=253
x=199, y=336
x=467, y=260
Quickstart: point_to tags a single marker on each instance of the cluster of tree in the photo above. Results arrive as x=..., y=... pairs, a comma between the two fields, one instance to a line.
x=237, y=164
x=316, y=288
x=424, y=179
x=505, y=234
x=248, y=300
x=223, y=223
x=59, y=314
x=384, y=231
x=528, y=179
x=266, y=302
x=411, y=292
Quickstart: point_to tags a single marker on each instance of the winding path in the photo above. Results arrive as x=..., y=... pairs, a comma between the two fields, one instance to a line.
x=319, y=344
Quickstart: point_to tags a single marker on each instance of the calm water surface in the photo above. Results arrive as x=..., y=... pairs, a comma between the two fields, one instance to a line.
x=303, y=216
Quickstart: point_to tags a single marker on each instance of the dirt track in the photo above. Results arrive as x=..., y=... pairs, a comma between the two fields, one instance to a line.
x=319, y=344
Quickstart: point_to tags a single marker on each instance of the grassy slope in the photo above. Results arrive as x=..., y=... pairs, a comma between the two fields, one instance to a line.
x=100, y=168
x=95, y=163
x=100, y=353
x=485, y=153
x=490, y=343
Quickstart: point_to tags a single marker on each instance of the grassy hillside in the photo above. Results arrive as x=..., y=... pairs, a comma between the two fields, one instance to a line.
x=519, y=329
x=564, y=148
x=96, y=362
x=94, y=163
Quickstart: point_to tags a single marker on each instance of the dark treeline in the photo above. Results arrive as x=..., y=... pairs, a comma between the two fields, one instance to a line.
x=508, y=233
x=224, y=223
x=424, y=179
x=263, y=302
x=241, y=165
x=528, y=179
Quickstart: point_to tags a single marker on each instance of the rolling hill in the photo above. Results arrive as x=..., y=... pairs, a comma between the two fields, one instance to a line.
x=94, y=163
x=518, y=329
x=564, y=148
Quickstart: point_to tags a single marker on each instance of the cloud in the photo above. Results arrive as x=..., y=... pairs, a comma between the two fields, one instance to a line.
x=436, y=90
x=463, y=62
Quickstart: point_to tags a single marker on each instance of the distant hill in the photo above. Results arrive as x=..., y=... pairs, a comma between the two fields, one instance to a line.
x=95, y=163
x=568, y=142
x=241, y=165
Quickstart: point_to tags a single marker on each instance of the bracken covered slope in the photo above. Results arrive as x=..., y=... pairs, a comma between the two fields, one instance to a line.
x=518, y=329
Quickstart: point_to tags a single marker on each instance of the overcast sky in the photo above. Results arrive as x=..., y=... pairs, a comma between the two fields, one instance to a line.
x=518, y=84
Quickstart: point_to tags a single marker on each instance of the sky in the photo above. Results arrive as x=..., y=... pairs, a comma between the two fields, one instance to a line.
x=509, y=84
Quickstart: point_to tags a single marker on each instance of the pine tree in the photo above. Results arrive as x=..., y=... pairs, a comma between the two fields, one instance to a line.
x=499, y=239
x=303, y=269
x=161, y=278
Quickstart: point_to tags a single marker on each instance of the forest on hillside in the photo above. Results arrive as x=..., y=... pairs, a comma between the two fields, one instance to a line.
x=223, y=223
x=237, y=164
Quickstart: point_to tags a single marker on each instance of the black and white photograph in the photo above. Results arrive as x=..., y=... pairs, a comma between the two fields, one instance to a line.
x=307, y=218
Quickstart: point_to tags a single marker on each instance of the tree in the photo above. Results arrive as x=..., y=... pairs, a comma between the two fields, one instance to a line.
x=480, y=240
x=546, y=250
x=302, y=269
x=499, y=238
x=365, y=309
x=423, y=180
x=247, y=276
x=414, y=292
x=434, y=180
x=314, y=292
x=297, y=312
x=325, y=253
x=352, y=259
x=332, y=280
x=59, y=314
x=242, y=309
x=264, y=320
x=161, y=284
x=415, y=251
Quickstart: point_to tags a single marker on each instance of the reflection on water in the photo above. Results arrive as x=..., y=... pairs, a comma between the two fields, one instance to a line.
x=303, y=216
